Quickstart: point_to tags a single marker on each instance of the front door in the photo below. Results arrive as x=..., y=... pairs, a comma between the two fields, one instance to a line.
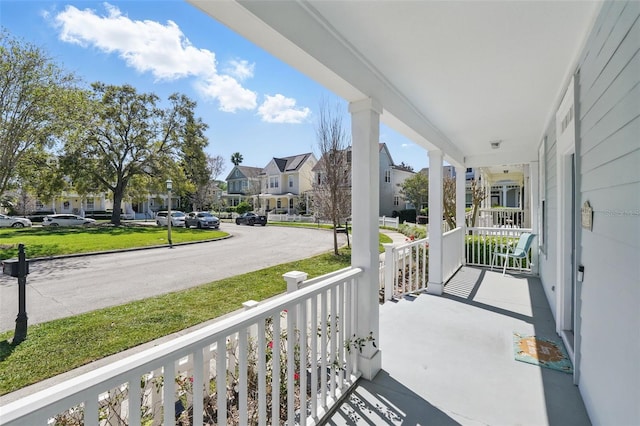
x=566, y=220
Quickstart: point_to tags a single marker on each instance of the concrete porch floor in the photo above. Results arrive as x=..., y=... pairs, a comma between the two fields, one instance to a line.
x=448, y=360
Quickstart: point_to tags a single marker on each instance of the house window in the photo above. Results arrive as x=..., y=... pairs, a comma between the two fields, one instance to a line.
x=290, y=203
x=273, y=182
x=387, y=176
x=245, y=184
x=90, y=204
x=290, y=181
x=396, y=200
x=39, y=205
x=278, y=203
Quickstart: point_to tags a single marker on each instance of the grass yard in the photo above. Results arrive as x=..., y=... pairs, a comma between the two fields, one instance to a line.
x=58, y=346
x=43, y=242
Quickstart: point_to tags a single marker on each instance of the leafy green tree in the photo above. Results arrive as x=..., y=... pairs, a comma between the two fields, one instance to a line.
x=128, y=138
x=236, y=158
x=39, y=174
x=194, y=160
x=416, y=190
x=38, y=105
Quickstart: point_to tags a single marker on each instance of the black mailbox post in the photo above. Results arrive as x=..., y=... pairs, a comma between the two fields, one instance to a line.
x=19, y=269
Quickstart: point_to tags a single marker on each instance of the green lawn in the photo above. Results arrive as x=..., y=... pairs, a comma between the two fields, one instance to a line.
x=42, y=242
x=61, y=345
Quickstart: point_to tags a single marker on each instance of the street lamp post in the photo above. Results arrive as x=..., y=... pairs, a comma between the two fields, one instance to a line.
x=169, y=187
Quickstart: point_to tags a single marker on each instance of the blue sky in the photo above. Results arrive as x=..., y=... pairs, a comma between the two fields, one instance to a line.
x=253, y=103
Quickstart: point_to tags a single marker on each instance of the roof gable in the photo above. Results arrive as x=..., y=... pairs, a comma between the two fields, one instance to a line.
x=292, y=163
x=244, y=172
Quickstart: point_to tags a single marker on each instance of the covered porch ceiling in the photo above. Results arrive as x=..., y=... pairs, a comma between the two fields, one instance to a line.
x=450, y=75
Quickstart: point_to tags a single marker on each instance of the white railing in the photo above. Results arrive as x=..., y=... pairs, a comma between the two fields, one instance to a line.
x=406, y=268
x=452, y=253
x=392, y=222
x=249, y=368
x=272, y=217
x=501, y=217
x=482, y=242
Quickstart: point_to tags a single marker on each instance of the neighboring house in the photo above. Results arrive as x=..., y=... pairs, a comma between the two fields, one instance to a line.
x=243, y=182
x=70, y=202
x=286, y=182
x=391, y=179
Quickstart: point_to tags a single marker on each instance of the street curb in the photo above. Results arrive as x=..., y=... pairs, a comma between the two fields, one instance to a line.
x=95, y=253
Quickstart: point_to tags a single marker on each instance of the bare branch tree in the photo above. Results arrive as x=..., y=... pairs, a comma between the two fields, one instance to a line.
x=332, y=184
x=449, y=201
x=478, y=194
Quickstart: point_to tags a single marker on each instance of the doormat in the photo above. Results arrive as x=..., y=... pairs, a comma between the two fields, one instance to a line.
x=543, y=352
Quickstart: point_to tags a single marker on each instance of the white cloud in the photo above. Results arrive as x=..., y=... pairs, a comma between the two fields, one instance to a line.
x=240, y=69
x=162, y=50
x=231, y=95
x=405, y=145
x=279, y=109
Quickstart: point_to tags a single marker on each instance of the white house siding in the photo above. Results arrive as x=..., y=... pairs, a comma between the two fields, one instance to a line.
x=386, y=206
x=608, y=163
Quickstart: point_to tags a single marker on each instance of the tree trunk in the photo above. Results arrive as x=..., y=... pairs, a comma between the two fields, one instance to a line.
x=117, y=201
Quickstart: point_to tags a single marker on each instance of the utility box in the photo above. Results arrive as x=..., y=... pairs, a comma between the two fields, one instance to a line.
x=11, y=267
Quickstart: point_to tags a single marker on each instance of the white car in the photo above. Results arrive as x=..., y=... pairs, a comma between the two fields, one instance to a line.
x=63, y=219
x=177, y=218
x=13, y=222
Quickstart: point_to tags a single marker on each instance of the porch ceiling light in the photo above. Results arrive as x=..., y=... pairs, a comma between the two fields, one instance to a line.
x=495, y=144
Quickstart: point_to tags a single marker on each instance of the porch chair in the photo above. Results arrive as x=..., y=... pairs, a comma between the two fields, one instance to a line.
x=519, y=252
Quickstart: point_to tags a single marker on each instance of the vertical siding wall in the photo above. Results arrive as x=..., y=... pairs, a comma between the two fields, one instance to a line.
x=609, y=161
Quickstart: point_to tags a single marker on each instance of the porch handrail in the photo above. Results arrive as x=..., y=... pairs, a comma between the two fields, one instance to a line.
x=405, y=268
x=452, y=252
x=86, y=389
x=480, y=242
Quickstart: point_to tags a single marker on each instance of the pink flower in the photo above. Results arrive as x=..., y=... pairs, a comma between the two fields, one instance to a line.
x=270, y=344
x=285, y=311
x=296, y=376
x=191, y=379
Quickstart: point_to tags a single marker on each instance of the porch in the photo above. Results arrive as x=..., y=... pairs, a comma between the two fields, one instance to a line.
x=449, y=359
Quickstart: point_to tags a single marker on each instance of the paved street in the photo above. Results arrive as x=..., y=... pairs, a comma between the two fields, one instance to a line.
x=64, y=287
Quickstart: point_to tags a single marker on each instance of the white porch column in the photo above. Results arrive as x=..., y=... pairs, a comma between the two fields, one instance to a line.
x=435, y=285
x=504, y=196
x=534, y=203
x=461, y=203
x=365, y=135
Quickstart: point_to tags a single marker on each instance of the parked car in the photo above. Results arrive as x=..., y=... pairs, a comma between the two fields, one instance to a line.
x=201, y=220
x=13, y=222
x=177, y=218
x=251, y=219
x=63, y=219
x=38, y=216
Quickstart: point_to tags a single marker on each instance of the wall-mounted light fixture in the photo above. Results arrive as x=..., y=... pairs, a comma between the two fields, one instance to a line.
x=495, y=144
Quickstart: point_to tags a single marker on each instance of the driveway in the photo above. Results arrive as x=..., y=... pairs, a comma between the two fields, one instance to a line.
x=64, y=287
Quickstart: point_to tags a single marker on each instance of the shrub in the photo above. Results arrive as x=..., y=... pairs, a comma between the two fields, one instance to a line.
x=407, y=215
x=243, y=207
x=418, y=232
